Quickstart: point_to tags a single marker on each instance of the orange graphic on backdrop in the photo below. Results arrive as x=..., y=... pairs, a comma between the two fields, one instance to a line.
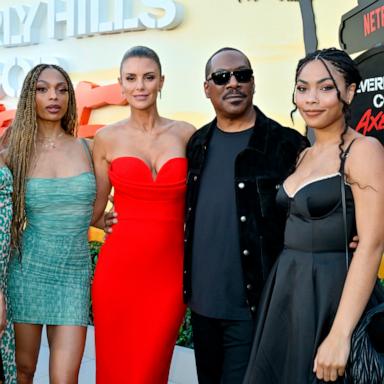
x=89, y=96
x=6, y=117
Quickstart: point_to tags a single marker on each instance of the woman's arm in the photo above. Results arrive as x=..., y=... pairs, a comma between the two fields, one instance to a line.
x=103, y=185
x=368, y=193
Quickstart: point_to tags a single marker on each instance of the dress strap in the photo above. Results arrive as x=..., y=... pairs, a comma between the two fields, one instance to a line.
x=303, y=154
x=88, y=152
x=344, y=156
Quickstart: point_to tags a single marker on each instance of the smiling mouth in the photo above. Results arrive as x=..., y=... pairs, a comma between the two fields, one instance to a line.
x=313, y=113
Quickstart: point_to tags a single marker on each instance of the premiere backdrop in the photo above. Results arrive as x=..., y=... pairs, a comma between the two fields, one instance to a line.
x=270, y=32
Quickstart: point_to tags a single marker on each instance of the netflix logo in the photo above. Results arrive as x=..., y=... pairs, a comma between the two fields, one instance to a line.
x=373, y=20
x=362, y=27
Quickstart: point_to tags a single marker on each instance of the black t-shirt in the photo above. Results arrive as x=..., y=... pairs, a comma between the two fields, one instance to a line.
x=217, y=277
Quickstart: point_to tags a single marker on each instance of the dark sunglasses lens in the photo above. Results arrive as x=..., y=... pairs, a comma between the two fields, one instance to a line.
x=243, y=75
x=221, y=78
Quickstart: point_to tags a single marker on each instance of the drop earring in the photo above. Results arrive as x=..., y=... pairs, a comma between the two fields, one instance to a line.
x=160, y=93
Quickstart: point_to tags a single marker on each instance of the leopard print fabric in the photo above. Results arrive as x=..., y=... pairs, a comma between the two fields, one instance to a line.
x=7, y=345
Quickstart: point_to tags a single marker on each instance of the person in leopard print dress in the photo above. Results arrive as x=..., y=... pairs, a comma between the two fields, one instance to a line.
x=7, y=343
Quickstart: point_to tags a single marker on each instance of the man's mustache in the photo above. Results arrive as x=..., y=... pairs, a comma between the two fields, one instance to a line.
x=234, y=92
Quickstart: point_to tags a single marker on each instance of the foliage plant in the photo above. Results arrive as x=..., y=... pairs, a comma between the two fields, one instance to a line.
x=185, y=333
x=94, y=249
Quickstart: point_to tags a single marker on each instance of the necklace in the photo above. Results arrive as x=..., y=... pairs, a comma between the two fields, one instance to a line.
x=48, y=142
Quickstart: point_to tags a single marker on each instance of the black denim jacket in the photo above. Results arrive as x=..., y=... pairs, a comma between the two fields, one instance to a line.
x=259, y=170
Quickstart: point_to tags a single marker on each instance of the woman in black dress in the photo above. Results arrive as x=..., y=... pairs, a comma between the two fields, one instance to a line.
x=313, y=299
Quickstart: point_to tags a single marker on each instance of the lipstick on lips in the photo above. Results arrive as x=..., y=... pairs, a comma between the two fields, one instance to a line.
x=313, y=112
x=140, y=97
x=53, y=108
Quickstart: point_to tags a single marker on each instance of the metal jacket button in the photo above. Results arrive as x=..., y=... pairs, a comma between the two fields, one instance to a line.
x=194, y=178
x=253, y=308
x=245, y=252
x=249, y=286
x=241, y=185
x=243, y=219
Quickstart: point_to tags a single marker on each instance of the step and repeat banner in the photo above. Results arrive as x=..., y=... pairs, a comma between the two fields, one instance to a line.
x=368, y=106
x=362, y=29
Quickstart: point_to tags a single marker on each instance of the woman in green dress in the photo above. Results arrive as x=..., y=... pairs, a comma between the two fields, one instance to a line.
x=53, y=194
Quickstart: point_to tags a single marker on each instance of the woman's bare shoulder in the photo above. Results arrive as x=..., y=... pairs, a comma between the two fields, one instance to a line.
x=111, y=130
x=366, y=159
x=89, y=142
x=365, y=145
x=184, y=129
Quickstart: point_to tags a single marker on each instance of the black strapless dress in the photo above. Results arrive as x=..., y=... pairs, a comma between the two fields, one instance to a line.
x=301, y=296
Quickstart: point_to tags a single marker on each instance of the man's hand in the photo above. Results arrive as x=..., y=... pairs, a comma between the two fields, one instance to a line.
x=354, y=243
x=110, y=218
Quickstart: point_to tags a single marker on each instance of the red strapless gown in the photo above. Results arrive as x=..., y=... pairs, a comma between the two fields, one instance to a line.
x=137, y=289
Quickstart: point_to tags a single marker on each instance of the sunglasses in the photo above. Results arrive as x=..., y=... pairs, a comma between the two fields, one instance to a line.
x=224, y=77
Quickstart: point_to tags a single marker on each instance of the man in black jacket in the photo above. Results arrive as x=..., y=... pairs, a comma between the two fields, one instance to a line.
x=234, y=230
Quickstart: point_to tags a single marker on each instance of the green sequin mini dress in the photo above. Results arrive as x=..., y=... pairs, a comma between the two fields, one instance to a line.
x=50, y=283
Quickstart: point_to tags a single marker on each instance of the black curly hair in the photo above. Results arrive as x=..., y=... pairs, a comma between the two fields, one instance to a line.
x=343, y=63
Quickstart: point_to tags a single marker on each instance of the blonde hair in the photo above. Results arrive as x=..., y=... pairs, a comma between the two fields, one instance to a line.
x=22, y=141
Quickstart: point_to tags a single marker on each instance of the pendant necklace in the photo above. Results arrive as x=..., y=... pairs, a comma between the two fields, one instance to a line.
x=48, y=142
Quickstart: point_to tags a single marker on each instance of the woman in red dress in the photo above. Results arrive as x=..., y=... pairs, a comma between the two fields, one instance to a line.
x=137, y=289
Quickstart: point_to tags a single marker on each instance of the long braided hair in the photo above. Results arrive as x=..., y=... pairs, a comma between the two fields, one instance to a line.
x=343, y=63
x=22, y=142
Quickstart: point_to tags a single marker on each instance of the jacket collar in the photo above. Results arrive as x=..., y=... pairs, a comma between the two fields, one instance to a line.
x=259, y=138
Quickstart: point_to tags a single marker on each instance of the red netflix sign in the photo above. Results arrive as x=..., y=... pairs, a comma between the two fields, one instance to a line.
x=368, y=104
x=373, y=20
x=362, y=28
